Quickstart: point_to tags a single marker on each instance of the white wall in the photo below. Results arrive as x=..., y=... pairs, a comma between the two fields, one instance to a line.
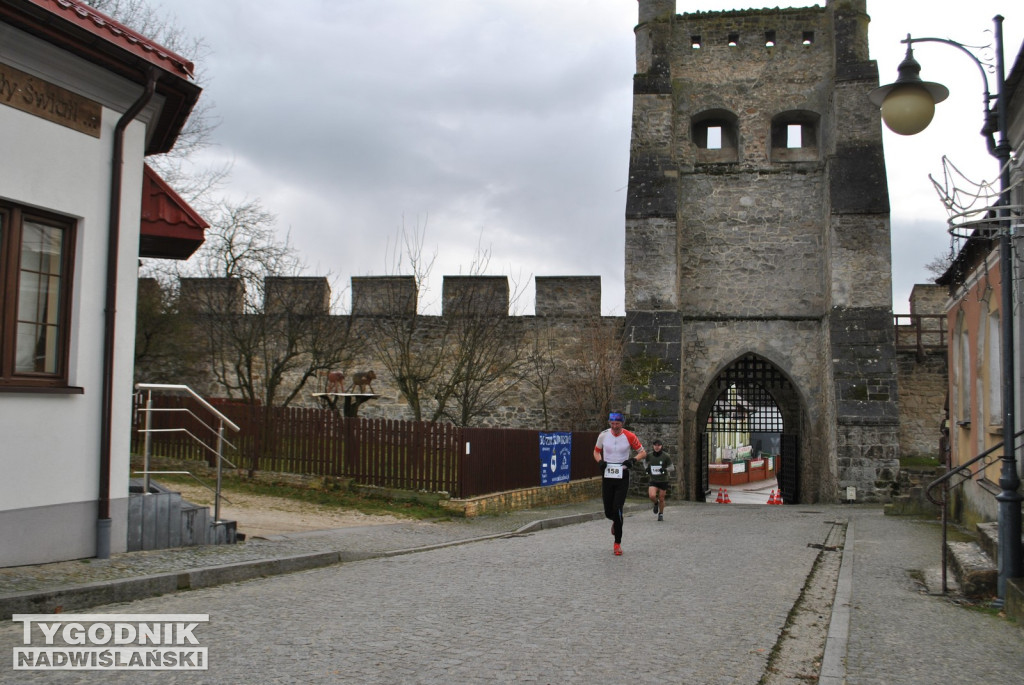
x=51, y=442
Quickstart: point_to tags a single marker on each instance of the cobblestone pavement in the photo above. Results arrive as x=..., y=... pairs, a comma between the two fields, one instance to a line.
x=900, y=634
x=699, y=598
x=353, y=541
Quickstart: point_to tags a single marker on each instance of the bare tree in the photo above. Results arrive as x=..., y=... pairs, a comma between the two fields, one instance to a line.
x=458, y=366
x=268, y=331
x=196, y=185
x=164, y=348
x=940, y=264
x=543, y=368
x=593, y=374
x=487, y=355
x=410, y=347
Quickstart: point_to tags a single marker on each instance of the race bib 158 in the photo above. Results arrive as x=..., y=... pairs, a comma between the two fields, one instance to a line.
x=613, y=471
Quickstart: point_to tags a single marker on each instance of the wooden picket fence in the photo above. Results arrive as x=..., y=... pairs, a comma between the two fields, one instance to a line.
x=406, y=455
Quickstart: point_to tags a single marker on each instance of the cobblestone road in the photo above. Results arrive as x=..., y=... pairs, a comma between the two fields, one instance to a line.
x=701, y=598
x=550, y=607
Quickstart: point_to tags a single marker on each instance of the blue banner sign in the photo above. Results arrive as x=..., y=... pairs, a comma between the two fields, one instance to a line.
x=555, y=457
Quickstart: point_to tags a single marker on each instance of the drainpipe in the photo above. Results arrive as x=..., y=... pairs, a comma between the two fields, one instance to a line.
x=114, y=231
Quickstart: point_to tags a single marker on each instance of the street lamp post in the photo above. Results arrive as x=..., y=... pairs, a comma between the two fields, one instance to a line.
x=907, y=108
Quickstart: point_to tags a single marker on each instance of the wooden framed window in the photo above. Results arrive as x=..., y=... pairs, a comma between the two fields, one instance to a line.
x=36, y=258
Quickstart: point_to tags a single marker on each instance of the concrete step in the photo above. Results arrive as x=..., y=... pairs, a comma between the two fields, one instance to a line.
x=975, y=571
x=914, y=504
x=988, y=539
x=975, y=566
x=1014, y=605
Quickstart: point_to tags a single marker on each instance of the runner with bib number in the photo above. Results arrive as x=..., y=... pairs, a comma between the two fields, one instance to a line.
x=612, y=452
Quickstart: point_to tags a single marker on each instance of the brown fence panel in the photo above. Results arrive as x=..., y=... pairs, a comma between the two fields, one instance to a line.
x=505, y=459
x=499, y=459
x=443, y=451
x=406, y=455
x=583, y=464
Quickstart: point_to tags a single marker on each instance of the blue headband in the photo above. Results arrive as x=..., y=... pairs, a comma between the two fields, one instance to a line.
x=615, y=416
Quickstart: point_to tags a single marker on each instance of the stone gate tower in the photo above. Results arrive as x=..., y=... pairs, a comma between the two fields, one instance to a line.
x=758, y=265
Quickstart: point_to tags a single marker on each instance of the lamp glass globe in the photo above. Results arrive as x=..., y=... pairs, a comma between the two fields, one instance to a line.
x=908, y=109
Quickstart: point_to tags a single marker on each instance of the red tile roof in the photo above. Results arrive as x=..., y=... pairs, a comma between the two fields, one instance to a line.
x=83, y=31
x=111, y=30
x=170, y=228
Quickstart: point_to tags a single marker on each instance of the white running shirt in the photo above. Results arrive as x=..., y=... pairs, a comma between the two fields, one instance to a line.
x=615, y=448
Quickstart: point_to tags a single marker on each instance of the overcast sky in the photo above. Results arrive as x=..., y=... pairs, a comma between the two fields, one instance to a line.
x=506, y=124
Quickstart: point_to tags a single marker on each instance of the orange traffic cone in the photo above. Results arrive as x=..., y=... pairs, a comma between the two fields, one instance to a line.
x=771, y=498
x=778, y=497
x=727, y=500
x=719, y=500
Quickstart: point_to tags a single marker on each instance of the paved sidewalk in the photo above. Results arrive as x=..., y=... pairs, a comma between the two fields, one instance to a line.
x=725, y=577
x=902, y=632
x=77, y=585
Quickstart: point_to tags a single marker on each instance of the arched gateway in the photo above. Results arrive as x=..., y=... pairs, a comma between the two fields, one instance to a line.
x=758, y=265
x=750, y=431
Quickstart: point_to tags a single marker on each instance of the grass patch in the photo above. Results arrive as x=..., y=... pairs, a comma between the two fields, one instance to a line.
x=986, y=607
x=918, y=461
x=336, y=496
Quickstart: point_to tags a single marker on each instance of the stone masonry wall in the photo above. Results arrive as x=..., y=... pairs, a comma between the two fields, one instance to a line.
x=922, y=386
x=671, y=370
x=753, y=248
x=568, y=296
x=752, y=245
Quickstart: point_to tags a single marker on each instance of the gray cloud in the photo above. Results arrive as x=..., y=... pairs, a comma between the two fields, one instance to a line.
x=503, y=122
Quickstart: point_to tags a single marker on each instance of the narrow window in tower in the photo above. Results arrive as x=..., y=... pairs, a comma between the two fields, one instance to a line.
x=769, y=39
x=794, y=136
x=695, y=42
x=714, y=137
x=734, y=40
x=808, y=37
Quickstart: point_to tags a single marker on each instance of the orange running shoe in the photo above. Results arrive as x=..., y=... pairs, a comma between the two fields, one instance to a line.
x=618, y=549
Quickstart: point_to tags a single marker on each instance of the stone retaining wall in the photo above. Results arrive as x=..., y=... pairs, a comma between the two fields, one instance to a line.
x=527, y=498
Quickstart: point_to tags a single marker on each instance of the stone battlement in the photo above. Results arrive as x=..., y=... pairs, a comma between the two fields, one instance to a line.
x=395, y=295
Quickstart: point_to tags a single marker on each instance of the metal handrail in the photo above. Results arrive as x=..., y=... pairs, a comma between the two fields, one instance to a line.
x=184, y=388
x=223, y=422
x=192, y=435
x=963, y=467
x=171, y=410
x=185, y=473
x=944, y=481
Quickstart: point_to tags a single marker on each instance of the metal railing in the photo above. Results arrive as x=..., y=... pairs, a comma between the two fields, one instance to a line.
x=965, y=474
x=221, y=421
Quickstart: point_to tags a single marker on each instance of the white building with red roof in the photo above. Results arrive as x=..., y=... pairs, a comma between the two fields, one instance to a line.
x=83, y=101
